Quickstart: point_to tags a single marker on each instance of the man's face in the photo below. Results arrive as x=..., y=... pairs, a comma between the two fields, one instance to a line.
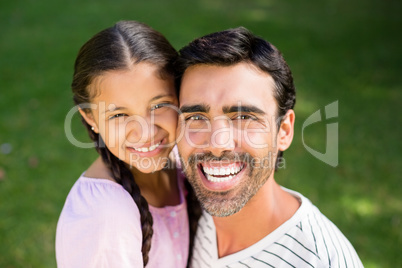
x=227, y=134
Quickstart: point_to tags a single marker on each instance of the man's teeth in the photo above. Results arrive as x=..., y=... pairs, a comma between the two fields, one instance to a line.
x=222, y=171
x=147, y=149
x=228, y=172
x=219, y=179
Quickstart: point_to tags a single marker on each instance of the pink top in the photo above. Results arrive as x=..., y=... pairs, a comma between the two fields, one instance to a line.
x=100, y=227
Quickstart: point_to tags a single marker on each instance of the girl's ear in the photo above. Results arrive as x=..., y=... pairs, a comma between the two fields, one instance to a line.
x=285, y=132
x=88, y=117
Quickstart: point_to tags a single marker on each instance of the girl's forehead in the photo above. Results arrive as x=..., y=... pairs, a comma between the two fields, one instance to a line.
x=131, y=87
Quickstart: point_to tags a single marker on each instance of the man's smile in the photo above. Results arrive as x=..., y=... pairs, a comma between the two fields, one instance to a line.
x=222, y=172
x=220, y=176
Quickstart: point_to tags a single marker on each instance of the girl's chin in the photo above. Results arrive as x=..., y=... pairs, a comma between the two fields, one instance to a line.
x=150, y=165
x=146, y=169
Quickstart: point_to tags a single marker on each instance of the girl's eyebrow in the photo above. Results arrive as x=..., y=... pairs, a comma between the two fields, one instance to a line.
x=115, y=109
x=153, y=99
x=160, y=96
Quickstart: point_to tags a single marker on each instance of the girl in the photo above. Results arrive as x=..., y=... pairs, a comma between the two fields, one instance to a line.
x=129, y=208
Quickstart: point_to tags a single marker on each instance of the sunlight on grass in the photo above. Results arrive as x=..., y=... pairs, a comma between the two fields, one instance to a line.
x=235, y=5
x=372, y=264
x=305, y=107
x=359, y=206
x=256, y=15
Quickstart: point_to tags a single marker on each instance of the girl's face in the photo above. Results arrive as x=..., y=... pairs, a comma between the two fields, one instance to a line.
x=135, y=113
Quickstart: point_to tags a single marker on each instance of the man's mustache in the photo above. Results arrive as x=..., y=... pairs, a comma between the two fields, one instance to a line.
x=228, y=157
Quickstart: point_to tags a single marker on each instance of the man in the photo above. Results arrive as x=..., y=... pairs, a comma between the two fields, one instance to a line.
x=237, y=98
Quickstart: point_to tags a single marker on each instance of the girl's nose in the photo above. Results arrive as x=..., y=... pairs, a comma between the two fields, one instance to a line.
x=140, y=129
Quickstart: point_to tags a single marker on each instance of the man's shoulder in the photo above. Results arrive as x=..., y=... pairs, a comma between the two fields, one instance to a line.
x=326, y=240
x=314, y=240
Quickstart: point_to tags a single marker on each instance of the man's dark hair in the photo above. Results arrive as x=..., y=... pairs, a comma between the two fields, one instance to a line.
x=237, y=45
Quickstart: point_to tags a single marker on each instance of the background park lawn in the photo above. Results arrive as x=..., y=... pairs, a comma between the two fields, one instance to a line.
x=338, y=50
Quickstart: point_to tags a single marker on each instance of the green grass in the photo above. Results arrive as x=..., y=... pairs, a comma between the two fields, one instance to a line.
x=338, y=50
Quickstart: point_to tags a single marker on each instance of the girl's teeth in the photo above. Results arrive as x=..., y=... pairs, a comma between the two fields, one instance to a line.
x=148, y=149
x=153, y=147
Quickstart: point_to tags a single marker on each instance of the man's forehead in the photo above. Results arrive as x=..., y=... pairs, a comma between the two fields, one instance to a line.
x=224, y=102
x=225, y=84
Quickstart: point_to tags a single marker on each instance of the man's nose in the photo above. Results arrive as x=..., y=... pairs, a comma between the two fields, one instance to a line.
x=222, y=136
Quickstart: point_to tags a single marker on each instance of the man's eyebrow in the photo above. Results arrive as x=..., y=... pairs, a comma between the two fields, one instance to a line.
x=198, y=108
x=242, y=108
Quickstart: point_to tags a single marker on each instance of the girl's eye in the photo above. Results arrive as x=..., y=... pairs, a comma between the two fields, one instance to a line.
x=158, y=106
x=117, y=116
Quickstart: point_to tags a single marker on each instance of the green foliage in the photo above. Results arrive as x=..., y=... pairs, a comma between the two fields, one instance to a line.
x=338, y=50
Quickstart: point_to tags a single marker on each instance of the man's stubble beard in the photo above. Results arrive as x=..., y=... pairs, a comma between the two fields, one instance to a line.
x=227, y=203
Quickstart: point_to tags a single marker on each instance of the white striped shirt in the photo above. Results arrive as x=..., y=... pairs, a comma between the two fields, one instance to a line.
x=307, y=239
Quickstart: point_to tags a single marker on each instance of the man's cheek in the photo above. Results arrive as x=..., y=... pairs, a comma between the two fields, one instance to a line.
x=184, y=151
x=255, y=139
x=195, y=139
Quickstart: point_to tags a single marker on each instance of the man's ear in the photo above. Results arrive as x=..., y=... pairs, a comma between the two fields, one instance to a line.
x=88, y=117
x=286, y=131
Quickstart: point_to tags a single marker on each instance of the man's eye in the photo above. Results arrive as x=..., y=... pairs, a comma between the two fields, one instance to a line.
x=244, y=117
x=117, y=116
x=195, y=117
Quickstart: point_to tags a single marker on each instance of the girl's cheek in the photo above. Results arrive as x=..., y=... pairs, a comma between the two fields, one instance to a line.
x=168, y=120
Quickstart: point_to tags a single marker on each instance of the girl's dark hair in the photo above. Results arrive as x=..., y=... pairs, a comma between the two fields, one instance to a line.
x=237, y=45
x=117, y=48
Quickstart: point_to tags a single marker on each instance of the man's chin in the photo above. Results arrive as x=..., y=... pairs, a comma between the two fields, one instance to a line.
x=217, y=211
x=219, y=204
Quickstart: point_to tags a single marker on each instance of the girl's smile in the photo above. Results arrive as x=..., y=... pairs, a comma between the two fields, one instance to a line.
x=149, y=151
x=136, y=114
